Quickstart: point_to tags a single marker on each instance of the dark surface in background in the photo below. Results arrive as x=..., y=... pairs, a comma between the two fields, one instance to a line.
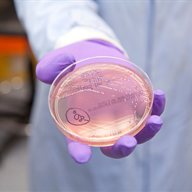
x=9, y=23
x=15, y=108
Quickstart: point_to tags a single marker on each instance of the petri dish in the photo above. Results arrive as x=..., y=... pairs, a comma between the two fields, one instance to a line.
x=97, y=100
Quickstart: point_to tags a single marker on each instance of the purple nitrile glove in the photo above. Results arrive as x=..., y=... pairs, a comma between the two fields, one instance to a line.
x=54, y=62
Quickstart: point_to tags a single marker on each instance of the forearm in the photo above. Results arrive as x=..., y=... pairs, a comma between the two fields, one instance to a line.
x=51, y=24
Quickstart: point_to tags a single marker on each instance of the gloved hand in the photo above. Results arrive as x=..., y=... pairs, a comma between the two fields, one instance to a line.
x=54, y=62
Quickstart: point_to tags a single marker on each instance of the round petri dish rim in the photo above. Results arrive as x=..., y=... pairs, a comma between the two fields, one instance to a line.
x=101, y=59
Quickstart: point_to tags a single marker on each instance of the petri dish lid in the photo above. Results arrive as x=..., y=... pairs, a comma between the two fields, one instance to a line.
x=97, y=100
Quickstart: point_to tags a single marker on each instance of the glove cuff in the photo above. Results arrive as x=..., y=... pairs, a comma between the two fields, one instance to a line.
x=86, y=33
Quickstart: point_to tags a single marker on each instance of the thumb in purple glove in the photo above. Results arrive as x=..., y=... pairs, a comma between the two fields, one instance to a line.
x=49, y=67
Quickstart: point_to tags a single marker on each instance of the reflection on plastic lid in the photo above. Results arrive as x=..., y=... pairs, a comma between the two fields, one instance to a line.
x=98, y=100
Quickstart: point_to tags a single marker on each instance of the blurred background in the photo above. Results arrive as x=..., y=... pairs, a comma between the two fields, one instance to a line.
x=17, y=87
